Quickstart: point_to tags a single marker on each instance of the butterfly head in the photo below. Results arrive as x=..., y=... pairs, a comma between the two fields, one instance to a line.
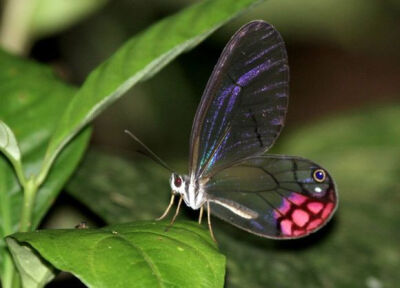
x=192, y=192
x=178, y=183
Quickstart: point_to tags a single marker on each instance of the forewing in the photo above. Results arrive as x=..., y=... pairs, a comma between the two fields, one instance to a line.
x=243, y=108
x=273, y=196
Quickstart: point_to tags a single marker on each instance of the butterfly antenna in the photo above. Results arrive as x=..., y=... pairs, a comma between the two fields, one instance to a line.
x=151, y=154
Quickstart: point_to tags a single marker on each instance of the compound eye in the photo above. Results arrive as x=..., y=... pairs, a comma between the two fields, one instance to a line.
x=177, y=181
x=319, y=175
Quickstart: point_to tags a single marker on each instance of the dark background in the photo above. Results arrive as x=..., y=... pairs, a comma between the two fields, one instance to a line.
x=342, y=55
x=344, y=58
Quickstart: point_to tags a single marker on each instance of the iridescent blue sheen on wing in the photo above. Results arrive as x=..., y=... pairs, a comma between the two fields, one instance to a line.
x=243, y=108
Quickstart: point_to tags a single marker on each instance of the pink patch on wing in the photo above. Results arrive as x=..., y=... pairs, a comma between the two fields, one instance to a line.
x=314, y=224
x=285, y=207
x=315, y=207
x=300, y=217
x=286, y=227
x=327, y=211
x=298, y=233
x=298, y=199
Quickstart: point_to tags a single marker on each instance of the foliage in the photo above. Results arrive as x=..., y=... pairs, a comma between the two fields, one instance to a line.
x=365, y=166
x=27, y=121
x=43, y=133
x=138, y=254
x=45, y=129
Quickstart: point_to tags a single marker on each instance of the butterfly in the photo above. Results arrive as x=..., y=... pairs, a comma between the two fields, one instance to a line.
x=240, y=115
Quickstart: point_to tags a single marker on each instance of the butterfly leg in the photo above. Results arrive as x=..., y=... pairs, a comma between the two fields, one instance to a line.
x=177, y=210
x=171, y=202
x=201, y=214
x=209, y=222
x=176, y=214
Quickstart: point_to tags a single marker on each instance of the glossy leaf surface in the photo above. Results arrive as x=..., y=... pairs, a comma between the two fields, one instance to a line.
x=31, y=111
x=138, y=254
x=138, y=60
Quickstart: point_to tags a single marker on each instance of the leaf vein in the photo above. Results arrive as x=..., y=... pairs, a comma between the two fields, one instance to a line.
x=146, y=257
x=194, y=248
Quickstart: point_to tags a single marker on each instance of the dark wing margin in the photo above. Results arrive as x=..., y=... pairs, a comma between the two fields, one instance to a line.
x=273, y=196
x=243, y=108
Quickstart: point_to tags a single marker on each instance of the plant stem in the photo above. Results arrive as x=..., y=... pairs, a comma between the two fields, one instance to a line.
x=10, y=278
x=27, y=208
x=9, y=269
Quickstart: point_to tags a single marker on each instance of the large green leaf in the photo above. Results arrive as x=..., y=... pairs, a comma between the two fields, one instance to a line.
x=140, y=254
x=360, y=150
x=140, y=58
x=35, y=100
x=32, y=100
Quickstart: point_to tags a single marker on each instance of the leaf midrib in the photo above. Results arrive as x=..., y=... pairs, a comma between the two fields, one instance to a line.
x=147, y=259
x=194, y=248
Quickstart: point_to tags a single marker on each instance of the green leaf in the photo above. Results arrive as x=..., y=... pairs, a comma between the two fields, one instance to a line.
x=8, y=143
x=32, y=100
x=137, y=254
x=33, y=270
x=51, y=16
x=140, y=58
x=60, y=172
x=360, y=150
x=10, y=148
x=100, y=174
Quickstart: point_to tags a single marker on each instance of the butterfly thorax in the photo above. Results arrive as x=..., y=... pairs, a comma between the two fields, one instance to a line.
x=192, y=192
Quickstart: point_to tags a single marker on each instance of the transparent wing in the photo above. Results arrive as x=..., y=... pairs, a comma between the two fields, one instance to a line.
x=273, y=196
x=243, y=108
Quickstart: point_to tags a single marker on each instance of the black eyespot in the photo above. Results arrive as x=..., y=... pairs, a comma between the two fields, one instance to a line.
x=177, y=181
x=319, y=175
